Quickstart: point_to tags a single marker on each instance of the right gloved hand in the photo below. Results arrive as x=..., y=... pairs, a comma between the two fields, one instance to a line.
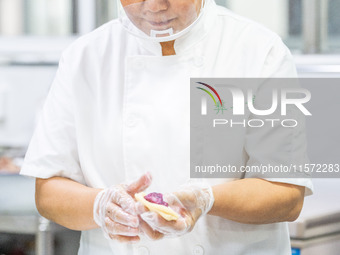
x=192, y=201
x=116, y=211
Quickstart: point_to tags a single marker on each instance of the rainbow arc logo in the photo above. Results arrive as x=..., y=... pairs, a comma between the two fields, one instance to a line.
x=219, y=105
x=213, y=90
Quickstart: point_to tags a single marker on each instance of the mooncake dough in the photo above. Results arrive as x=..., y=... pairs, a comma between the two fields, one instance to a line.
x=166, y=212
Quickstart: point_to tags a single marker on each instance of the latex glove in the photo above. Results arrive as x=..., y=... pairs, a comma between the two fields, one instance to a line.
x=148, y=231
x=116, y=211
x=191, y=202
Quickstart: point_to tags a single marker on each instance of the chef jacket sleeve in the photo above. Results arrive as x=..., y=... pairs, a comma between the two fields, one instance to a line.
x=53, y=147
x=278, y=146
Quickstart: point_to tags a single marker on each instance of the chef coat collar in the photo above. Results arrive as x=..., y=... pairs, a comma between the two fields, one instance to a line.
x=188, y=40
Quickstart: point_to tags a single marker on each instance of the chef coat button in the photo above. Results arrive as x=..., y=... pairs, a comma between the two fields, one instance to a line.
x=199, y=61
x=142, y=250
x=198, y=250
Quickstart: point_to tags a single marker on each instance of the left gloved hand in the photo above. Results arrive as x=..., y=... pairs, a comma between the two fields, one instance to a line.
x=191, y=202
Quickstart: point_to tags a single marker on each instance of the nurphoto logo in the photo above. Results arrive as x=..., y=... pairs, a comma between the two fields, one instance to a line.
x=243, y=101
x=239, y=101
x=255, y=127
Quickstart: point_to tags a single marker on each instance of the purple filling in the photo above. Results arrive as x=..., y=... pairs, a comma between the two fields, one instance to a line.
x=156, y=198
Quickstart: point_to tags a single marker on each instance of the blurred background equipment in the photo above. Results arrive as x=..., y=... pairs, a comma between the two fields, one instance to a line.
x=317, y=231
x=22, y=230
x=307, y=26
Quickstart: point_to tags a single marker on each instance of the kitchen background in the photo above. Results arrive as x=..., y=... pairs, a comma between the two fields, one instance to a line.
x=33, y=34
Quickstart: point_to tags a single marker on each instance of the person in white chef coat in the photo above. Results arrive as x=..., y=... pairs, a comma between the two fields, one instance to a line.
x=114, y=124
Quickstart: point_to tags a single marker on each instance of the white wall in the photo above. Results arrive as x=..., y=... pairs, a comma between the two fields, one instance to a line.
x=23, y=90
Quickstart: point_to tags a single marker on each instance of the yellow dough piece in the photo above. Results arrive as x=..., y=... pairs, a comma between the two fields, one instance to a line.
x=166, y=212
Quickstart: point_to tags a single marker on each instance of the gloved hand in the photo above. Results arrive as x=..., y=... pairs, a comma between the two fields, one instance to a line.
x=191, y=202
x=116, y=211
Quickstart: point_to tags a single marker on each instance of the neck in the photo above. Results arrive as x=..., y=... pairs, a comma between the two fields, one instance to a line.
x=168, y=48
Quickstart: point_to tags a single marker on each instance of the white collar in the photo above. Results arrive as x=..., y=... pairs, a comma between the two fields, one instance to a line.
x=188, y=40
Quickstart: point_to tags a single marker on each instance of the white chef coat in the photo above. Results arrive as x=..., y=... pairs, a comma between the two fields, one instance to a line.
x=118, y=108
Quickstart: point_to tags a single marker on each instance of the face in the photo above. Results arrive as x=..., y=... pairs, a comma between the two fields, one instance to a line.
x=160, y=15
